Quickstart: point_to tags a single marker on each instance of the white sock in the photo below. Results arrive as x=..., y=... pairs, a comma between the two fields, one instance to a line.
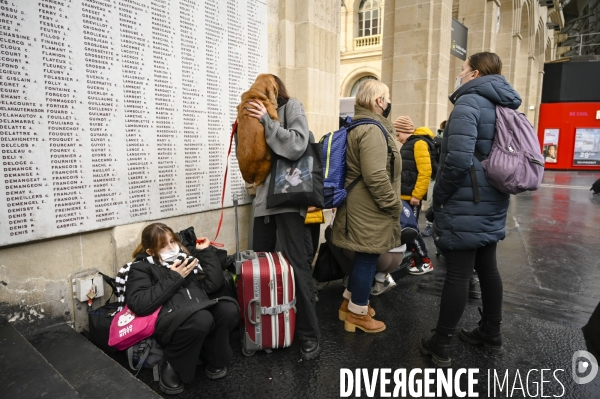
x=380, y=277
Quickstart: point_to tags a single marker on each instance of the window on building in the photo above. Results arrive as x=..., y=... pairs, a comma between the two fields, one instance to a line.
x=369, y=18
x=358, y=82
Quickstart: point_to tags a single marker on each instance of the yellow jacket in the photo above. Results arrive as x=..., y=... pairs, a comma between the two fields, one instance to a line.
x=422, y=158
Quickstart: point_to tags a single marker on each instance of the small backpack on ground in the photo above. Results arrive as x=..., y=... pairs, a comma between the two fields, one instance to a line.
x=334, y=162
x=99, y=319
x=515, y=163
x=596, y=187
x=145, y=354
x=408, y=224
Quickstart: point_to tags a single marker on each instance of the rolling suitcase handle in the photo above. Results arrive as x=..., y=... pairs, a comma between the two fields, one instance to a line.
x=238, y=255
x=237, y=234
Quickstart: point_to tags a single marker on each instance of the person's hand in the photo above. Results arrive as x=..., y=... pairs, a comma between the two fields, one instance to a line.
x=312, y=209
x=184, y=268
x=415, y=201
x=255, y=109
x=204, y=243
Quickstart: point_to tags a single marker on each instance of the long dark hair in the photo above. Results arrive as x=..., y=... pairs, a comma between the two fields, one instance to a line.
x=283, y=95
x=155, y=237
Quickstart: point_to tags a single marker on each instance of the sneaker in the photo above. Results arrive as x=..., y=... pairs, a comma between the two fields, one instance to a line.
x=427, y=232
x=422, y=268
x=381, y=287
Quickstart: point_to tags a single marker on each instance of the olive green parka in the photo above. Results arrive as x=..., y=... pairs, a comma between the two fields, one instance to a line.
x=369, y=219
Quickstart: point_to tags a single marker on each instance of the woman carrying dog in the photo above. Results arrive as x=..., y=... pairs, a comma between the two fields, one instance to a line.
x=287, y=223
x=368, y=222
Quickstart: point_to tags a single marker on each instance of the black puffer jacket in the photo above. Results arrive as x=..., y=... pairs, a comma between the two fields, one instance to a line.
x=415, y=162
x=150, y=286
x=461, y=223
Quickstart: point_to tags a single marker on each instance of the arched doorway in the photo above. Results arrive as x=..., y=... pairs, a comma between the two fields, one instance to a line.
x=357, y=84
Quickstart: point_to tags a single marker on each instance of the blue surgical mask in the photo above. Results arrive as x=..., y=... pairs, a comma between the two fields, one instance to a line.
x=459, y=79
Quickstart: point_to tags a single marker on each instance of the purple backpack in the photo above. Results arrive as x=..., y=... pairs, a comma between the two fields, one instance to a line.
x=515, y=163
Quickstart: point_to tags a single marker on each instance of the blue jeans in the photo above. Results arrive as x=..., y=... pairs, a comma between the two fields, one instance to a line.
x=362, y=273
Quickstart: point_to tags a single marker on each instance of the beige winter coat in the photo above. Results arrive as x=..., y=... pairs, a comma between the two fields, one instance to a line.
x=369, y=219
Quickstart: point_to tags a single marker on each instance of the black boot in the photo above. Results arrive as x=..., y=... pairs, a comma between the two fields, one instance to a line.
x=438, y=346
x=487, y=334
x=474, y=288
x=309, y=349
x=169, y=382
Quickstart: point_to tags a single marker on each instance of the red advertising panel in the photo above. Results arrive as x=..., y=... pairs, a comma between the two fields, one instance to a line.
x=569, y=135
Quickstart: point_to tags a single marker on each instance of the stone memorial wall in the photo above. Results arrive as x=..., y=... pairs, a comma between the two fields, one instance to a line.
x=118, y=111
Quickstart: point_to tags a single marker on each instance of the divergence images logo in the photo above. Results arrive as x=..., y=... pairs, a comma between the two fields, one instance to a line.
x=585, y=367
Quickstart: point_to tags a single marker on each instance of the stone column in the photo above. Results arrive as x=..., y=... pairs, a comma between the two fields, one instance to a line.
x=309, y=58
x=507, y=41
x=481, y=18
x=349, y=26
x=416, y=58
x=529, y=93
x=538, y=95
x=387, y=44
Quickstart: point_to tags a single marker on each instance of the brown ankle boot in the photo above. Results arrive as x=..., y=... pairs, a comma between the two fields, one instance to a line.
x=343, y=312
x=363, y=322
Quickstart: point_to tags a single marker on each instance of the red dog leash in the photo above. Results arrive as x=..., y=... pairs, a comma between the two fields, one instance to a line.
x=213, y=242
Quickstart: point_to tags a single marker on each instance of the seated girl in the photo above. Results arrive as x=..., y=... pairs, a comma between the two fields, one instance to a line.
x=190, y=325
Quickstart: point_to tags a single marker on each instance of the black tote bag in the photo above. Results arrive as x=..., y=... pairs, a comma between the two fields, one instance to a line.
x=297, y=183
x=326, y=266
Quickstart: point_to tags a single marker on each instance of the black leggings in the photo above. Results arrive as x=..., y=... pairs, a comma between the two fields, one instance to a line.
x=289, y=229
x=204, y=334
x=460, y=265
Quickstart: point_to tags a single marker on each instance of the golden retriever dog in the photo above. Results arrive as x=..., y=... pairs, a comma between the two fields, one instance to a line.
x=253, y=154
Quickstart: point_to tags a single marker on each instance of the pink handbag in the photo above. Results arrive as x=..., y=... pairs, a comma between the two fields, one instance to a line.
x=127, y=329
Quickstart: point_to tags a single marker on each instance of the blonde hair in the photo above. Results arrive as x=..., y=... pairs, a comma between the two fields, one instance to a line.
x=369, y=91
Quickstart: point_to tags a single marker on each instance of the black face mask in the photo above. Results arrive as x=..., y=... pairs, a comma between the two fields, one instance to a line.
x=387, y=110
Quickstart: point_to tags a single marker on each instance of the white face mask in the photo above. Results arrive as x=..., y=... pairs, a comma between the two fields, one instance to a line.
x=170, y=256
x=459, y=79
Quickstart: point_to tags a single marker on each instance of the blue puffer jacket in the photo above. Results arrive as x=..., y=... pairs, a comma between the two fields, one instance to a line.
x=460, y=223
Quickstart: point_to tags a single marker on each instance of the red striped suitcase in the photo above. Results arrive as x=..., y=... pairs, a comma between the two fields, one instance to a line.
x=267, y=298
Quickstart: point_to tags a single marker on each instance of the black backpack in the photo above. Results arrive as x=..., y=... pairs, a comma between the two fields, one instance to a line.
x=434, y=153
x=596, y=187
x=437, y=143
x=99, y=320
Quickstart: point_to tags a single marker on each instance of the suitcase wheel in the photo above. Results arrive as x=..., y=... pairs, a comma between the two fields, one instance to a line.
x=248, y=353
x=245, y=352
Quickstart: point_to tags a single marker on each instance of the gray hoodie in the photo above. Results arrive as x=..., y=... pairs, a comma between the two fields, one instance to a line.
x=290, y=143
